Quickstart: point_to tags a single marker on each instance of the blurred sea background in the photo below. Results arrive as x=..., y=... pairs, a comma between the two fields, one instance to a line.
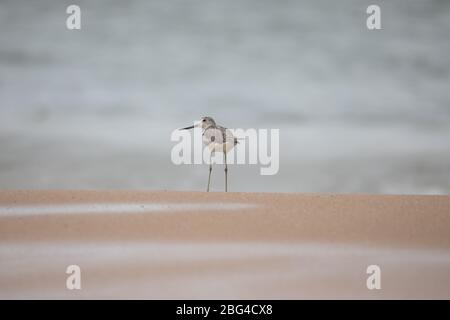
x=358, y=110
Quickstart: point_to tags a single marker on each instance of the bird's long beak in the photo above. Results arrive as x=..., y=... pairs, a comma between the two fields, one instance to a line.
x=187, y=128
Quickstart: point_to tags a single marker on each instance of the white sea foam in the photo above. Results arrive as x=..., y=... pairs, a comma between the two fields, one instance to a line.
x=114, y=208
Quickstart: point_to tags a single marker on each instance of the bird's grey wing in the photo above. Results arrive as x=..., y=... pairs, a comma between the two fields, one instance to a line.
x=229, y=137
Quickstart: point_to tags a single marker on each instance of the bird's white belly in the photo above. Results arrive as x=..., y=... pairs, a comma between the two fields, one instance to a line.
x=219, y=146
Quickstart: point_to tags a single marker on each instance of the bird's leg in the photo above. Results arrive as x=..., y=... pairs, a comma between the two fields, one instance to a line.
x=224, y=149
x=210, y=169
x=226, y=168
x=226, y=172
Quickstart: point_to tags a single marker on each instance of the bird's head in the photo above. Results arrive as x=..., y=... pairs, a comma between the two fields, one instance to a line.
x=203, y=123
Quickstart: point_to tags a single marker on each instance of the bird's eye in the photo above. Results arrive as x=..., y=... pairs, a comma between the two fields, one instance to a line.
x=203, y=120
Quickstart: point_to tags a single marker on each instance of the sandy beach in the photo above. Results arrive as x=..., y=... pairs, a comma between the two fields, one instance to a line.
x=194, y=245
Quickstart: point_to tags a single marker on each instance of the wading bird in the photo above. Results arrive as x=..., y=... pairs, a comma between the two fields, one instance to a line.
x=216, y=138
